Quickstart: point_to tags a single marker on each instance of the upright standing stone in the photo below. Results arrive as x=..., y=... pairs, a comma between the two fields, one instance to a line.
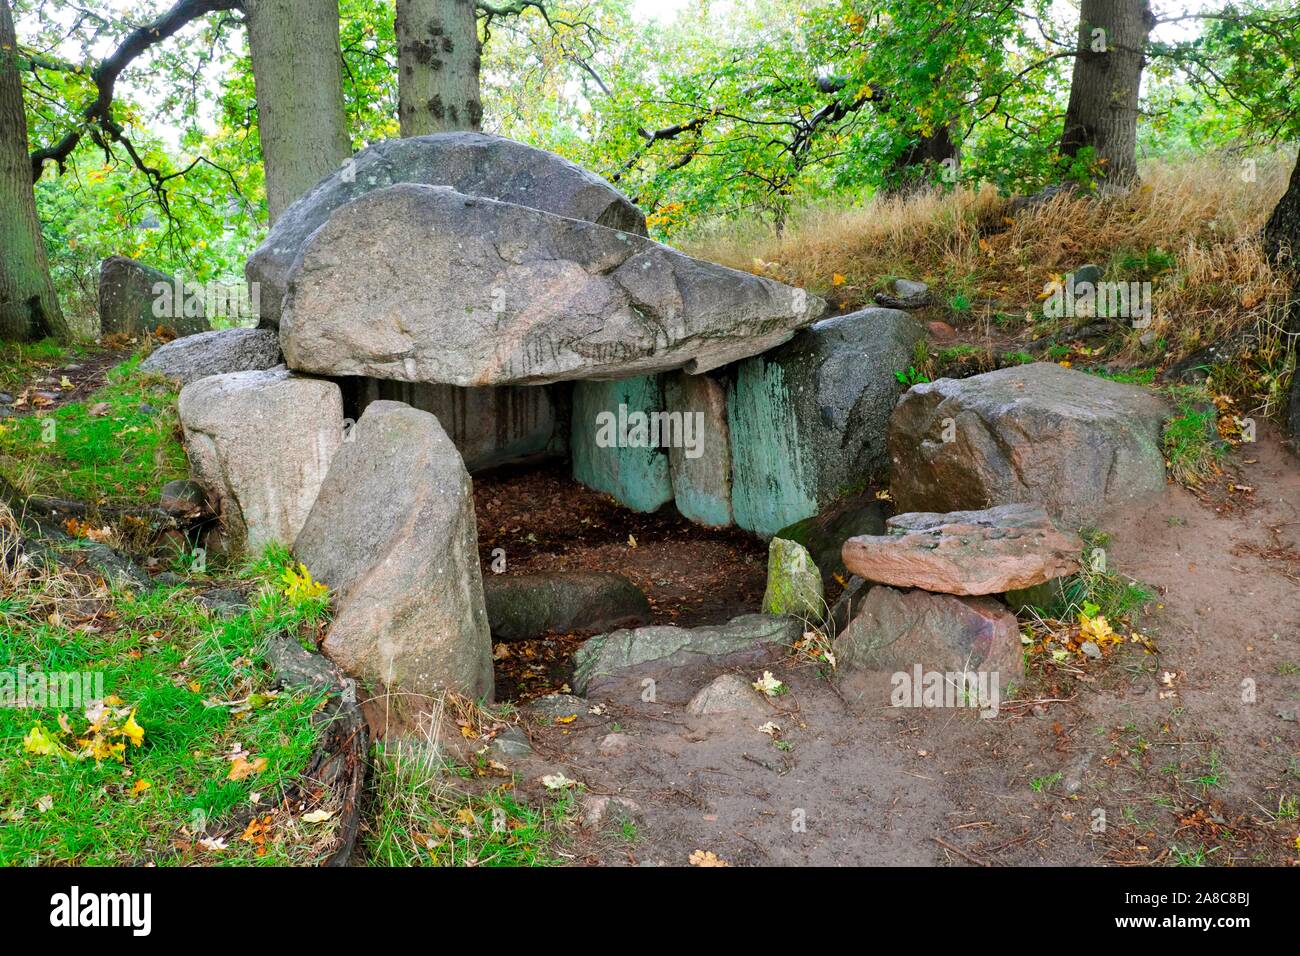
x=135, y=298
x=808, y=420
x=393, y=534
x=701, y=463
x=615, y=440
x=260, y=443
x=794, y=585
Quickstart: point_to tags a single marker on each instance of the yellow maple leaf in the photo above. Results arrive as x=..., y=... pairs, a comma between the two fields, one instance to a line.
x=242, y=768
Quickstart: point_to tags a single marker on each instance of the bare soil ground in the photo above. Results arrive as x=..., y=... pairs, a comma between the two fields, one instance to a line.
x=1139, y=758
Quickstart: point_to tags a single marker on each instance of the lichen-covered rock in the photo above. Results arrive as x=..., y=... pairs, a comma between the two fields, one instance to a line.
x=259, y=444
x=393, y=535
x=808, y=420
x=214, y=353
x=614, y=448
x=1077, y=444
x=794, y=585
x=476, y=164
x=666, y=649
x=824, y=533
x=521, y=607
x=425, y=284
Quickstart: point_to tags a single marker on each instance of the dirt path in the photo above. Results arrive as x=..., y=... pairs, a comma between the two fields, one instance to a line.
x=1094, y=762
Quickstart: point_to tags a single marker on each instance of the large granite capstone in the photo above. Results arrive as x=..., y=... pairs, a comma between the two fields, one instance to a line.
x=475, y=164
x=425, y=284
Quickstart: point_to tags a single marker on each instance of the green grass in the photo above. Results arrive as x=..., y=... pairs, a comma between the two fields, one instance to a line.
x=423, y=816
x=162, y=655
x=1097, y=583
x=1191, y=440
x=20, y=362
x=121, y=458
x=1133, y=376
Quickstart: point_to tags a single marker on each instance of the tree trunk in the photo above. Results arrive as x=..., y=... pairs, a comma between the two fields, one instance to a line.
x=1103, y=107
x=29, y=309
x=298, y=75
x=437, y=66
x=1282, y=232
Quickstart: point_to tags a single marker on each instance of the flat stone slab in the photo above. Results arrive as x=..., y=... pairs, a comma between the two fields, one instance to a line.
x=966, y=552
x=525, y=606
x=664, y=648
x=425, y=284
x=1077, y=444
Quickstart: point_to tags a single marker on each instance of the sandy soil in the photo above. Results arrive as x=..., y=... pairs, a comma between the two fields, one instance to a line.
x=1139, y=758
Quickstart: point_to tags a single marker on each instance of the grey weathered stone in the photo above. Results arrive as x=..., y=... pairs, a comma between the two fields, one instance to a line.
x=966, y=552
x=794, y=585
x=476, y=164
x=727, y=694
x=524, y=606
x=554, y=706
x=700, y=464
x=671, y=648
x=392, y=533
x=600, y=811
x=214, y=353
x=808, y=420
x=490, y=426
x=223, y=602
x=512, y=742
x=1074, y=443
x=425, y=284
x=260, y=444
x=295, y=666
x=896, y=630
x=135, y=298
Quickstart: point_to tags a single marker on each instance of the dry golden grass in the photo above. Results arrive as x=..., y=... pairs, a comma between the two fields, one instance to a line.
x=1192, y=228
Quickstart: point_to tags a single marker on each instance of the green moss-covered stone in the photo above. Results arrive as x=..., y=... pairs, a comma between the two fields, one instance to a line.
x=701, y=466
x=794, y=585
x=611, y=451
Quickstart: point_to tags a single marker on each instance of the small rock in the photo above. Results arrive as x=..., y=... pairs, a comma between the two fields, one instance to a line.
x=1090, y=650
x=512, y=742
x=6, y=398
x=794, y=585
x=1087, y=273
x=941, y=331
x=182, y=498
x=598, y=811
x=100, y=409
x=1286, y=713
x=558, y=705
x=614, y=745
x=168, y=579
x=908, y=288
x=1148, y=338
x=224, y=602
x=146, y=409
x=727, y=694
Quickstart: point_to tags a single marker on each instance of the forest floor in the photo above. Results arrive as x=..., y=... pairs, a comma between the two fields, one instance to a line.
x=1139, y=758
x=1155, y=754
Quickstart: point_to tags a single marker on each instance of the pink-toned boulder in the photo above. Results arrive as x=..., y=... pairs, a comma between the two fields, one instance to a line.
x=898, y=630
x=966, y=552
